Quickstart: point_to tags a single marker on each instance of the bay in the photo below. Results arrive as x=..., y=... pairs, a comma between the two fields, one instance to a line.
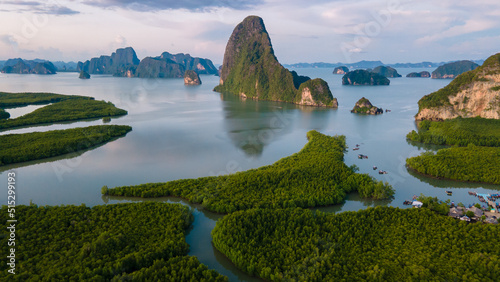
x=190, y=131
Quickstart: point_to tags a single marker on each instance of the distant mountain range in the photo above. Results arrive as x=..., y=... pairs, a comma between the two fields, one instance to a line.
x=124, y=62
x=371, y=64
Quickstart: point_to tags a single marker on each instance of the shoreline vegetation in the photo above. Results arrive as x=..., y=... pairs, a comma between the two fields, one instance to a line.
x=63, y=111
x=382, y=243
x=105, y=243
x=315, y=176
x=470, y=164
x=17, y=148
x=458, y=131
x=474, y=158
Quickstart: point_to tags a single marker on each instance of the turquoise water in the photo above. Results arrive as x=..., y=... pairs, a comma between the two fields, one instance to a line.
x=186, y=132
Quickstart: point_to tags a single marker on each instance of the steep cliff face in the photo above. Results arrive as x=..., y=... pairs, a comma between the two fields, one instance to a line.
x=159, y=68
x=251, y=69
x=200, y=65
x=471, y=94
x=122, y=62
x=191, y=78
x=315, y=92
x=452, y=70
x=340, y=70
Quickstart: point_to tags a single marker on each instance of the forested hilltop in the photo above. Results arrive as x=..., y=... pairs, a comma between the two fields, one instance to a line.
x=377, y=244
x=140, y=242
x=315, y=176
x=470, y=94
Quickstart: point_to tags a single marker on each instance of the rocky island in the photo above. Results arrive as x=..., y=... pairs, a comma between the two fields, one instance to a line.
x=124, y=63
x=386, y=71
x=21, y=66
x=364, y=77
x=191, y=78
x=84, y=75
x=340, y=70
x=419, y=74
x=452, y=70
x=471, y=94
x=159, y=68
x=363, y=106
x=250, y=69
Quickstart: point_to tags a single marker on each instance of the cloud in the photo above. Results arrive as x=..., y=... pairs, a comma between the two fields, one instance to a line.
x=47, y=8
x=158, y=5
x=470, y=26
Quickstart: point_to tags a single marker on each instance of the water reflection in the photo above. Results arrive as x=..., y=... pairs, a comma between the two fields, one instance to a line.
x=252, y=125
x=446, y=183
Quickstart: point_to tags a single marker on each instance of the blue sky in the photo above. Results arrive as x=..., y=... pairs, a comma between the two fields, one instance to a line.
x=301, y=31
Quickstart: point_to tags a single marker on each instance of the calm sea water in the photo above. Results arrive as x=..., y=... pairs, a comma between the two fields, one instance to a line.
x=187, y=132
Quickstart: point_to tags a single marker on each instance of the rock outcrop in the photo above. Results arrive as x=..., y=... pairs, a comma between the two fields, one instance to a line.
x=122, y=62
x=200, y=65
x=386, y=71
x=315, y=92
x=471, y=94
x=419, y=74
x=21, y=66
x=250, y=69
x=340, y=70
x=364, y=77
x=84, y=75
x=159, y=68
x=452, y=70
x=191, y=78
x=363, y=106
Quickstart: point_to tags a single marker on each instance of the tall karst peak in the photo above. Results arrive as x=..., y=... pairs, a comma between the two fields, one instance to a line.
x=250, y=69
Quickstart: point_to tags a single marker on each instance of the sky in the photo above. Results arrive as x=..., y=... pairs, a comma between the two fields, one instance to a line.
x=301, y=31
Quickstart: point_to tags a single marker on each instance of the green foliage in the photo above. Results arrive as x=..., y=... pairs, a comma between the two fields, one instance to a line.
x=470, y=214
x=495, y=88
x=440, y=98
x=15, y=148
x=364, y=77
x=66, y=110
x=251, y=68
x=454, y=68
x=320, y=92
x=434, y=204
x=458, y=131
x=4, y=114
x=78, y=243
x=185, y=268
x=377, y=244
x=471, y=163
x=386, y=71
x=12, y=100
x=315, y=176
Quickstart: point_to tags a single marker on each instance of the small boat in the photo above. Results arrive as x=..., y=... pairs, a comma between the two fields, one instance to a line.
x=481, y=199
x=374, y=167
x=361, y=156
x=382, y=172
x=407, y=203
x=448, y=192
x=355, y=149
x=472, y=193
x=386, y=110
x=357, y=145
